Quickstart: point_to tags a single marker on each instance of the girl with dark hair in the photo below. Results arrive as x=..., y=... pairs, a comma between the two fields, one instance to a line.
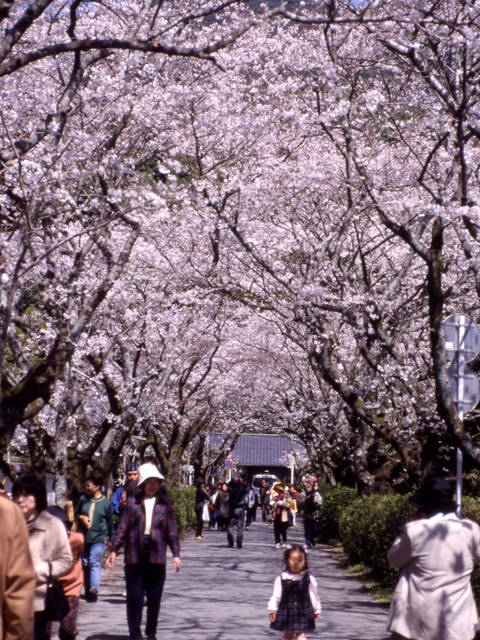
x=48, y=542
x=146, y=528
x=294, y=605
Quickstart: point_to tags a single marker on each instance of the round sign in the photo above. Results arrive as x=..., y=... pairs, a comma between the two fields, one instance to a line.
x=461, y=334
x=464, y=386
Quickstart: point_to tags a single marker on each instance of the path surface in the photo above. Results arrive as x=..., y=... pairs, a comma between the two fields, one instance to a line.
x=221, y=594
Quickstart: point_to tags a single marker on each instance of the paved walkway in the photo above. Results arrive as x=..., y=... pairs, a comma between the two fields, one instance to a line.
x=221, y=594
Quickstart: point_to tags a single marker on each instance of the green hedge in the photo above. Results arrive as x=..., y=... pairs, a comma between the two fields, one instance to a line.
x=471, y=509
x=183, y=500
x=366, y=527
x=335, y=501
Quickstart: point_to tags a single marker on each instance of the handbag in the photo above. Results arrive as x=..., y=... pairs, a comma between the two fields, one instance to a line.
x=205, y=513
x=56, y=602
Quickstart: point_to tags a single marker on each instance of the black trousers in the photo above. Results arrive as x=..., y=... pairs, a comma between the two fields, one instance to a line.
x=143, y=579
x=280, y=530
x=199, y=516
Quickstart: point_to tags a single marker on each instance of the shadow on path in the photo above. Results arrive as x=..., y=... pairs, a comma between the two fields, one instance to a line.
x=221, y=594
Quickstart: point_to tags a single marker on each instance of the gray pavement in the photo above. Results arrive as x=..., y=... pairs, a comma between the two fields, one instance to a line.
x=221, y=594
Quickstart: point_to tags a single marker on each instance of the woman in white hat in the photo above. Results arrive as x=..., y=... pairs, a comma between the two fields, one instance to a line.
x=146, y=528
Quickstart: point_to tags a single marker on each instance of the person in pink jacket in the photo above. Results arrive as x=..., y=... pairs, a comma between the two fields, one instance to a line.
x=436, y=554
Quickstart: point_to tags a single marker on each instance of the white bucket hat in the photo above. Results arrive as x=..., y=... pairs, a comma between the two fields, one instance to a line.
x=148, y=470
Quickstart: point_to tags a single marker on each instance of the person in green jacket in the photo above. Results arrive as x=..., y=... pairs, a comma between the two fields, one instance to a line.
x=95, y=520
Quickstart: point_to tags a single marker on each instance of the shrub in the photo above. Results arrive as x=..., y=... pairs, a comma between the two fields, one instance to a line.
x=183, y=500
x=335, y=501
x=367, y=528
x=471, y=509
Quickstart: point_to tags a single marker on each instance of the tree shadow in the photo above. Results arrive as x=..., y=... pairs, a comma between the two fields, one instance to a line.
x=107, y=636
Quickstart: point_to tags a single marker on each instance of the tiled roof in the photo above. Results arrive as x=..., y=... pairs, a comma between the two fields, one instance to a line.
x=262, y=450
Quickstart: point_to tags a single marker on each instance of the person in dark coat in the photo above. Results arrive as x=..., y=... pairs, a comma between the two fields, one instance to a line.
x=222, y=507
x=146, y=528
x=237, y=502
x=312, y=503
x=201, y=499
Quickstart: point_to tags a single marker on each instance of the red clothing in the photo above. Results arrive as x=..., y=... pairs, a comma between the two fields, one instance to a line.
x=72, y=581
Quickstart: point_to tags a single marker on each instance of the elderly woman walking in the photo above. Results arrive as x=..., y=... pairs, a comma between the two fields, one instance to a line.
x=436, y=554
x=48, y=542
x=146, y=528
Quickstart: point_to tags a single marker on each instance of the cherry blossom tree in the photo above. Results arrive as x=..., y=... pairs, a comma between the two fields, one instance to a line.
x=355, y=281
x=229, y=215
x=73, y=196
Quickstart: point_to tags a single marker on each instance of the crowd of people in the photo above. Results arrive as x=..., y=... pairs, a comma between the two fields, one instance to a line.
x=436, y=554
x=232, y=507
x=41, y=545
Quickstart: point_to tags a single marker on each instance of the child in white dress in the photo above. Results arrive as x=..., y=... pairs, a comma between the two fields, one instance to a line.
x=295, y=604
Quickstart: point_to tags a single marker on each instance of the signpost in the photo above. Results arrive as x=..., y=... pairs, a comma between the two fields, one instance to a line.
x=462, y=343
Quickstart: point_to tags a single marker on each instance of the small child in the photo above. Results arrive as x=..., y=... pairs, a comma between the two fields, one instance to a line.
x=295, y=604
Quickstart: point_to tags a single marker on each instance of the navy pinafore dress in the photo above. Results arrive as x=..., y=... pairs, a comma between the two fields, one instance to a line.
x=295, y=610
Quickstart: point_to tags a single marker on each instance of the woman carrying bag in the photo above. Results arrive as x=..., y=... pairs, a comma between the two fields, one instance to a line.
x=48, y=542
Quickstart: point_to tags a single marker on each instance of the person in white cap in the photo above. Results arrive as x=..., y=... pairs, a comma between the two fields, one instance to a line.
x=146, y=528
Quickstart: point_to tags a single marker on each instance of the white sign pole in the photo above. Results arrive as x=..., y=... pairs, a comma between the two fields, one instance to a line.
x=460, y=395
x=462, y=343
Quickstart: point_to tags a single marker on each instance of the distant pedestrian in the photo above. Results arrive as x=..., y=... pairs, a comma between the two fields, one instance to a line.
x=48, y=542
x=280, y=501
x=294, y=495
x=126, y=490
x=212, y=505
x=146, y=529
x=265, y=499
x=222, y=507
x=17, y=576
x=202, y=500
x=436, y=554
x=311, y=506
x=237, y=496
x=252, y=504
x=295, y=604
x=95, y=521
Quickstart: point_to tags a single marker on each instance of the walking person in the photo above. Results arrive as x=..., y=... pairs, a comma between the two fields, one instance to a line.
x=202, y=499
x=17, y=575
x=48, y=542
x=237, y=494
x=294, y=605
x=95, y=518
x=252, y=504
x=281, y=501
x=146, y=529
x=436, y=554
x=212, y=505
x=265, y=489
x=293, y=504
x=222, y=507
x=125, y=491
x=311, y=505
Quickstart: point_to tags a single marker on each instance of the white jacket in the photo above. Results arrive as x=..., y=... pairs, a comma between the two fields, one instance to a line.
x=433, y=599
